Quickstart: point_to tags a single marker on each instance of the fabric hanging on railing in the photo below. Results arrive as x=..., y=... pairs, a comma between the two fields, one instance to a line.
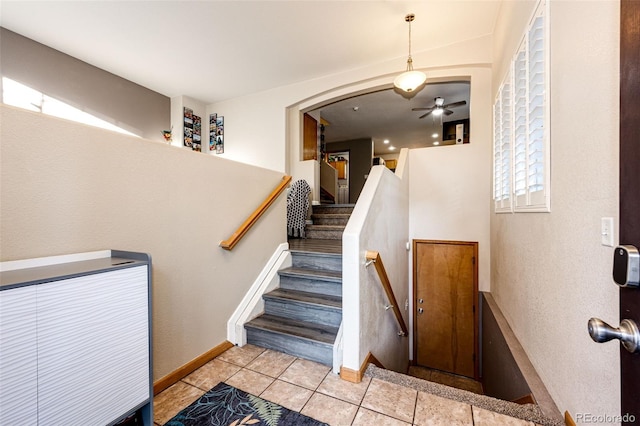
x=297, y=207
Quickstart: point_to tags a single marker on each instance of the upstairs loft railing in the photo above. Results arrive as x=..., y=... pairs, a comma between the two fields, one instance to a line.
x=231, y=242
x=374, y=257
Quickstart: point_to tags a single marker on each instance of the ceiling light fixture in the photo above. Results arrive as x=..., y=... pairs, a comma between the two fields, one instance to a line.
x=386, y=141
x=392, y=148
x=410, y=80
x=439, y=108
x=435, y=135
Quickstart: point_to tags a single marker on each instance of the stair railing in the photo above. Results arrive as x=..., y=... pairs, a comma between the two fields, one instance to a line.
x=231, y=242
x=374, y=257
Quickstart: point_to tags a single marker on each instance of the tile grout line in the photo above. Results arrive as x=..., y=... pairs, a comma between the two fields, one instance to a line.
x=361, y=401
x=313, y=391
x=415, y=408
x=473, y=419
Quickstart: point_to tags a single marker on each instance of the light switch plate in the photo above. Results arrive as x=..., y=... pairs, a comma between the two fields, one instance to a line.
x=606, y=231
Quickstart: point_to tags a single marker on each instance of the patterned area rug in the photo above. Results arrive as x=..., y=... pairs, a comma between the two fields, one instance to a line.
x=225, y=405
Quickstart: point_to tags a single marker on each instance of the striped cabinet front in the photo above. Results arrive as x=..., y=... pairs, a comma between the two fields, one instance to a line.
x=93, y=347
x=18, y=357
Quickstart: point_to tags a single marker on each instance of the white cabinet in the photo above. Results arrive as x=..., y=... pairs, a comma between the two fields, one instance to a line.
x=76, y=350
x=18, y=357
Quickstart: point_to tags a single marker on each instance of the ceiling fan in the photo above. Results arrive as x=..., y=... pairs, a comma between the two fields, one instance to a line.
x=439, y=108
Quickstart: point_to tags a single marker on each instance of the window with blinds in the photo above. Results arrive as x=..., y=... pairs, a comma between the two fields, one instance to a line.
x=521, y=126
x=502, y=132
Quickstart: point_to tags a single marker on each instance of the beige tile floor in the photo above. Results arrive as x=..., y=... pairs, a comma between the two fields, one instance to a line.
x=313, y=390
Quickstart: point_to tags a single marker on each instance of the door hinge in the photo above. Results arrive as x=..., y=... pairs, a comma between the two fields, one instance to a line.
x=473, y=260
x=474, y=309
x=474, y=357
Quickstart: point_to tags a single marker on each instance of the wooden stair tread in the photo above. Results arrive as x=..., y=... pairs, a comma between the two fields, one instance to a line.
x=306, y=298
x=319, y=274
x=300, y=329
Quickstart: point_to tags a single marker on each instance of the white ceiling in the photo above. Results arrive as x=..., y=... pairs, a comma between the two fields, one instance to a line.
x=216, y=50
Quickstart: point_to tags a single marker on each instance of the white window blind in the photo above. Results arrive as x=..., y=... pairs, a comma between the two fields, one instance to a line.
x=497, y=155
x=502, y=126
x=520, y=123
x=537, y=106
x=524, y=119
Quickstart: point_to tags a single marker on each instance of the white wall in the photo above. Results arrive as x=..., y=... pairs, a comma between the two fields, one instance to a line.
x=450, y=186
x=549, y=272
x=69, y=188
x=378, y=223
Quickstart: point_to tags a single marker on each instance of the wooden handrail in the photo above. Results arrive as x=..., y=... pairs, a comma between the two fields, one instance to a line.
x=374, y=257
x=230, y=242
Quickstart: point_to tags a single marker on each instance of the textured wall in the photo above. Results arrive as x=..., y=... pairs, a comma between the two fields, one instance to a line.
x=69, y=188
x=549, y=272
x=378, y=223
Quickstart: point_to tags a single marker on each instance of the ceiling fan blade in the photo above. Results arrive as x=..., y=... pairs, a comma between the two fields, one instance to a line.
x=424, y=115
x=448, y=112
x=455, y=104
x=422, y=109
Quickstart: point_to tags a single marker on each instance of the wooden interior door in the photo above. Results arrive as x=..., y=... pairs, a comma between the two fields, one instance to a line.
x=445, y=295
x=629, y=192
x=310, y=138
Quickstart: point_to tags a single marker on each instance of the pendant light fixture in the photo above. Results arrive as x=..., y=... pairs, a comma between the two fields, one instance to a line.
x=410, y=80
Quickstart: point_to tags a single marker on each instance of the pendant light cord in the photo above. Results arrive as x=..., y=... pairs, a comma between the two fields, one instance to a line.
x=410, y=17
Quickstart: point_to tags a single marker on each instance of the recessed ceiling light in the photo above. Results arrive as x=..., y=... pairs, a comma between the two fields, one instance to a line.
x=435, y=135
x=436, y=143
x=386, y=141
x=355, y=108
x=392, y=148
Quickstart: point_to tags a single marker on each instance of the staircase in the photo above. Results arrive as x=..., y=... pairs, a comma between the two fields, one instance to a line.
x=303, y=316
x=329, y=221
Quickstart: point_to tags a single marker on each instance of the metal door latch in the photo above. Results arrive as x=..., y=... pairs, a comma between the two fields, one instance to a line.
x=627, y=333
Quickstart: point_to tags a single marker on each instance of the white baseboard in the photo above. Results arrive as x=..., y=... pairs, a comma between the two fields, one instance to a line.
x=252, y=304
x=337, y=351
